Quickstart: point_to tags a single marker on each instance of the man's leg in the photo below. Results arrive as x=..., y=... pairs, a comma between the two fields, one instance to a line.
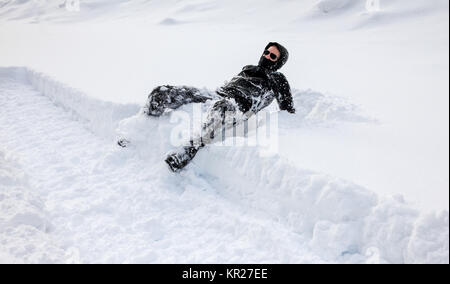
x=173, y=97
x=223, y=115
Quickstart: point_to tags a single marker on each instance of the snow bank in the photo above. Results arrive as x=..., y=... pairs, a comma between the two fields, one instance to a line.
x=101, y=117
x=24, y=225
x=341, y=221
x=360, y=13
x=344, y=221
x=171, y=12
x=313, y=108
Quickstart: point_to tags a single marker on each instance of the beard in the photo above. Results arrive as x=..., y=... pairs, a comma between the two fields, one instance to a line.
x=266, y=63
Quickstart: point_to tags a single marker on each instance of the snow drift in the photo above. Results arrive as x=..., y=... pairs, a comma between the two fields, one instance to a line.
x=324, y=219
x=23, y=219
x=101, y=117
x=173, y=12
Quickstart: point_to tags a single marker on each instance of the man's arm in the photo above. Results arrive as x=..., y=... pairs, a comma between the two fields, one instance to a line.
x=283, y=93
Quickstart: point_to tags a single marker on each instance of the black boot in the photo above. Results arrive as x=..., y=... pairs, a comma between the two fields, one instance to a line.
x=178, y=160
x=123, y=142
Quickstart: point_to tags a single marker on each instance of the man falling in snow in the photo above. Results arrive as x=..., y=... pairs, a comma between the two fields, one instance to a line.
x=253, y=89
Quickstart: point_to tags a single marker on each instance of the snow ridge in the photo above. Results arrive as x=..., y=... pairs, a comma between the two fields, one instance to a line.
x=322, y=217
x=343, y=221
x=359, y=13
x=24, y=226
x=101, y=117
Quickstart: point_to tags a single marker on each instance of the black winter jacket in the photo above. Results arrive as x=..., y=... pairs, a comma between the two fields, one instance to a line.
x=255, y=87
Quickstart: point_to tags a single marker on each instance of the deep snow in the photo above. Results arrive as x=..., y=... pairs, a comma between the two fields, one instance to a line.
x=106, y=204
x=392, y=62
x=389, y=134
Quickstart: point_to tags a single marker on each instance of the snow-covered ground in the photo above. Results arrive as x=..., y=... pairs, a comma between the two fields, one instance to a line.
x=362, y=172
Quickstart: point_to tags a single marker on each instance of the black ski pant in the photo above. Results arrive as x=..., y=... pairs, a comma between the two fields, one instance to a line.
x=224, y=113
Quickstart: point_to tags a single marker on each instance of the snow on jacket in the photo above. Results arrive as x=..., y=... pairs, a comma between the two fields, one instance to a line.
x=255, y=87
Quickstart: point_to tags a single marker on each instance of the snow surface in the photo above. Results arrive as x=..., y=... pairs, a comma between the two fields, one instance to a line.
x=371, y=91
x=106, y=204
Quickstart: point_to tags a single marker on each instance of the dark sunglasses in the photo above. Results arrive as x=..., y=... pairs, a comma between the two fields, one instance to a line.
x=272, y=55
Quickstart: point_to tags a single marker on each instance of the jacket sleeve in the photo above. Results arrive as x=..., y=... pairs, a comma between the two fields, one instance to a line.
x=283, y=93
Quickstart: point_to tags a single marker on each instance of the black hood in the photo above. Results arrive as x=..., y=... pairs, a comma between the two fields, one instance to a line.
x=274, y=66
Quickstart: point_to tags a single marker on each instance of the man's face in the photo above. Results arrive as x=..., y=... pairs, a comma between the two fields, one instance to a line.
x=272, y=53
